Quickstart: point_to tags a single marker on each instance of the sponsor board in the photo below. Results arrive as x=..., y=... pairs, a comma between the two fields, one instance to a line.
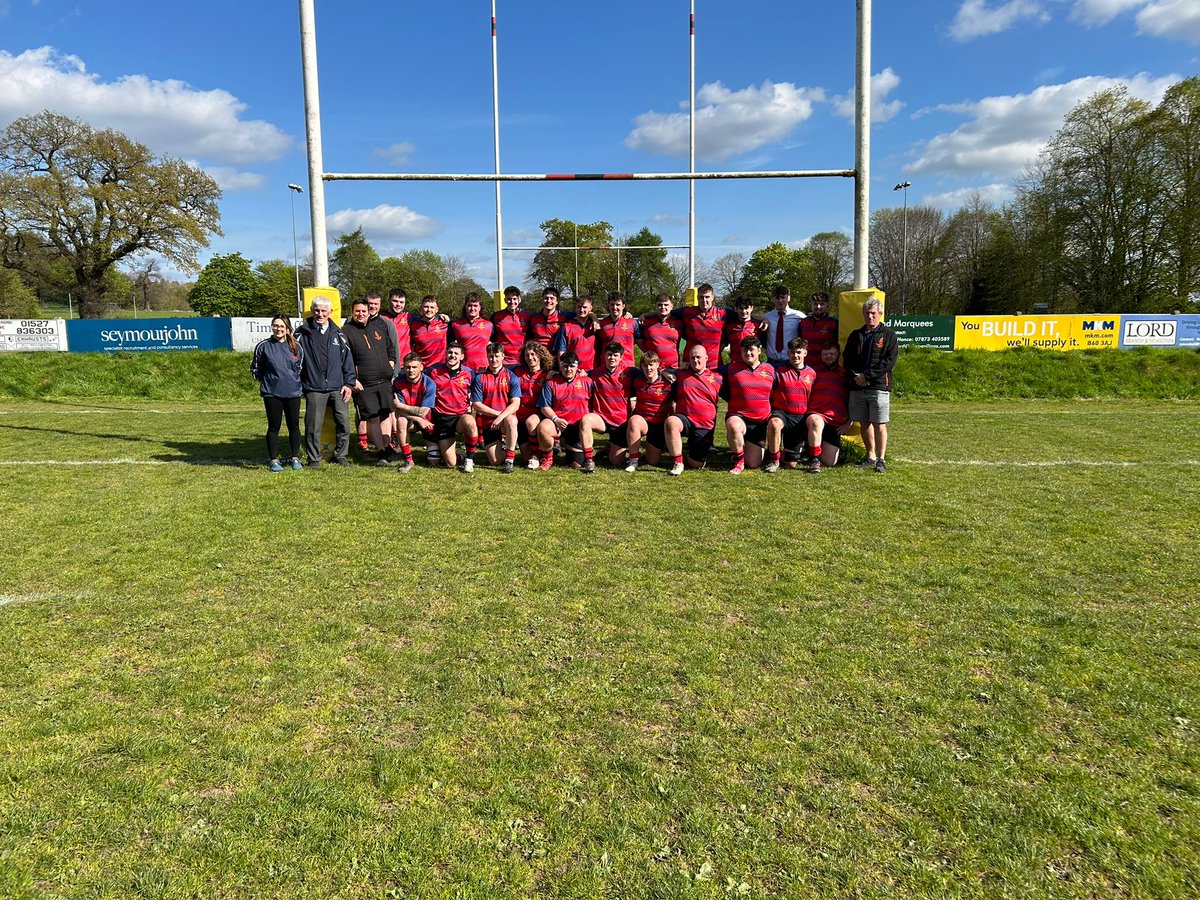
x=1149, y=331
x=33, y=335
x=334, y=298
x=1189, y=331
x=924, y=331
x=245, y=333
x=114, y=335
x=1086, y=332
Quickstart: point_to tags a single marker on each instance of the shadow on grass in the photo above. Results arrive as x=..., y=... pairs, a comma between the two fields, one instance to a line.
x=244, y=452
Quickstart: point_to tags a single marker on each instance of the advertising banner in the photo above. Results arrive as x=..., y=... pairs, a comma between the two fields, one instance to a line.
x=1089, y=332
x=1189, y=331
x=849, y=311
x=245, y=333
x=334, y=298
x=32, y=335
x=924, y=331
x=113, y=335
x=1149, y=331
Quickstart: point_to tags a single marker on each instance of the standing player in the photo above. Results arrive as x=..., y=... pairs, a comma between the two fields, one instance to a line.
x=619, y=326
x=413, y=398
x=544, y=325
x=820, y=329
x=373, y=350
x=495, y=398
x=397, y=300
x=661, y=333
x=747, y=387
x=703, y=325
x=429, y=332
x=564, y=402
x=532, y=377
x=451, y=409
x=789, y=404
x=610, y=400
x=578, y=335
x=695, y=393
x=741, y=323
x=472, y=331
x=510, y=325
x=650, y=399
x=828, y=410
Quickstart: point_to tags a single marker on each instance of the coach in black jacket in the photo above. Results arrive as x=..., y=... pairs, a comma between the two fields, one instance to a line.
x=327, y=377
x=870, y=357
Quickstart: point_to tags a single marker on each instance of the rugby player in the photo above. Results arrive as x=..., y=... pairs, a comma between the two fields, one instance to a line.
x=495, y=398
x=451, y=408
x=694, y=416
x=565, y=399
x=787, y=427
x=747, y=388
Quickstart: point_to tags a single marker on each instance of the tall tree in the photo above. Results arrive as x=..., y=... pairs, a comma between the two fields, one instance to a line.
x=916, y=279
x=725, y=273
x=226, y=287
x=97, y=197
x=16, y=300
x=275, y=287
x=570, y=272
x=354, y=267
x=832, y=254
x=644, y=273
x=1178, y=130
x=776, y=264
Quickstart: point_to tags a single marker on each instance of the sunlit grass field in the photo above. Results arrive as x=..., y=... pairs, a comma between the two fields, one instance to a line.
x=976, y=675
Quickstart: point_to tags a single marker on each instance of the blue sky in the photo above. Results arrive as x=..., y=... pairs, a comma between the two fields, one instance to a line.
x=966, y=94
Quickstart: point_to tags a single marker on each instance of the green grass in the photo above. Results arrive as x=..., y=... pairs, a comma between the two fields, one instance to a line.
x=975, y=676
x=65, y=311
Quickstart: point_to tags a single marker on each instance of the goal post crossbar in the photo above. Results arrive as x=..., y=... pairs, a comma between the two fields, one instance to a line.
x=588, y=176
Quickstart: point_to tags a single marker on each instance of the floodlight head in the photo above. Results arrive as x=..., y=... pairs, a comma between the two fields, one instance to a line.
x=296, y=188
x=902, y=185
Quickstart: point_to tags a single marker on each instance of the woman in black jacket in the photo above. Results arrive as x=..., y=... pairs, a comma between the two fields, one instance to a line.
x=276, y=367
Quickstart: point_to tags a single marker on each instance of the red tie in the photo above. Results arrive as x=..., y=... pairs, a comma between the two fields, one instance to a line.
x=779, y=335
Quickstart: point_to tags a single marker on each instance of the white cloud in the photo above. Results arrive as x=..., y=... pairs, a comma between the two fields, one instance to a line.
x=1006, y=133
x=1171, y=18
x=168, y=116
x=230, y=179
x=727, y=122
x=952, y=200
x=396, y=154
x=1099, y=12
x=976, y=19
x=882, y=84
x=386, y=225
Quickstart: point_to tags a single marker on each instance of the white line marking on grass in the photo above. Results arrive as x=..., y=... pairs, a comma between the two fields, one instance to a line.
x=1049, y=463
x=7, y=599
x=129, y=462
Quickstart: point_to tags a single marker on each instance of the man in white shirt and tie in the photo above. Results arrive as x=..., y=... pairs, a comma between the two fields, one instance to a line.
x=783, y=324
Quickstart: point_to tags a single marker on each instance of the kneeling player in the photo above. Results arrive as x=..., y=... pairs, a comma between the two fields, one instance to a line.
x=565, y=400
x=451, y=408
x=495, y=397
x=610, y=400
x=747, y=387
x=787, y=428
x=828, y=410
x=650, y=397
x=695, y=392
x=413, y=399
x=532, y=375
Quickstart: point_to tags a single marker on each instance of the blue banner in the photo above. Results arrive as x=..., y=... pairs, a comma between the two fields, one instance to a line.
x=1189, y=331
x=113, y=335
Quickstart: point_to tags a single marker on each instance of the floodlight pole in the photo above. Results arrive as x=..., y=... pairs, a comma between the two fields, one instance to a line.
x=862, y=144
x=293, y=190
x=496, y=144
x=904, y=186
x=312, y=131
x=691, y=146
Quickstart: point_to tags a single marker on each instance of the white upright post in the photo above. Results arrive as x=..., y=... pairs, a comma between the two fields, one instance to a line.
x=496, y=145
x=862, y=145
x=312, y=131
x=692, y=146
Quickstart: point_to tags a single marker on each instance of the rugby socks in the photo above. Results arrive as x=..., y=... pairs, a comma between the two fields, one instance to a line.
x=678, y=460
x=472, y=444
x=635, y=453
x=509, y=454
x=588, y=452
x=739, y=459
x=406, y=449
x=774, y=457
x=815, y=452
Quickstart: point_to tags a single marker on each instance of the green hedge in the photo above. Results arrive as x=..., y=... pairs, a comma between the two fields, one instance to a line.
x=1020, y=373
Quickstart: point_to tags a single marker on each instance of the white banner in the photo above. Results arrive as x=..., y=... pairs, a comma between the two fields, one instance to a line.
x=247, y=332
x=33, y=334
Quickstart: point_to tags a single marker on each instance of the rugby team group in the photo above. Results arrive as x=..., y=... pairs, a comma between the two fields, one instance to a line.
x=530, y=385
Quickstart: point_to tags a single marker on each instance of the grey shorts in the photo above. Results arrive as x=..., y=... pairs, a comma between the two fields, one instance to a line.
x=870, y=406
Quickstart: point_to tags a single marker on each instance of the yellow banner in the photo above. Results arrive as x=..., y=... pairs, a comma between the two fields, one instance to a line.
x=330, y=294
x=1090, y=332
